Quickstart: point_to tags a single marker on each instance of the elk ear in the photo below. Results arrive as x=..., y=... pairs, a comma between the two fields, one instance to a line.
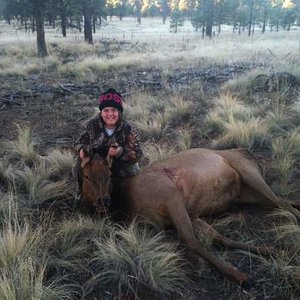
x=85, y=161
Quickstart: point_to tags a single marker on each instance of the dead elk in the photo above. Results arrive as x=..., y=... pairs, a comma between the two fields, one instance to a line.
x=189, y=185
x=96, y=184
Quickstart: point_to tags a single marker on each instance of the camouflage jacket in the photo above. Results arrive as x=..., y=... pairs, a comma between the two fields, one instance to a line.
x=125, y=135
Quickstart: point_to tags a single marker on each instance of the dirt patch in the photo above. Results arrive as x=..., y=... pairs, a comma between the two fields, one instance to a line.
x=55, y=108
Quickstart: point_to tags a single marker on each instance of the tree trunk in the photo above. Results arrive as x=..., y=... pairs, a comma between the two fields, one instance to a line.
x=210, y=17
x=88, y=32
x=164, y=18
x=33, y=25
x=250, y=18
x=40, y=31
x=139, y=17
x=78, y=22
x=94, y=24
x=63, y=25
x=139, y=12
x=264, y=21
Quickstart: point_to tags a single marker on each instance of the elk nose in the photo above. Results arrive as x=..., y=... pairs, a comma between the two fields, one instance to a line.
x=107, y=201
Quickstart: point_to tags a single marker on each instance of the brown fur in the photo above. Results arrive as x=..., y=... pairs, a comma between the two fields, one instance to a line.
x=96, y=185
x=196, y=183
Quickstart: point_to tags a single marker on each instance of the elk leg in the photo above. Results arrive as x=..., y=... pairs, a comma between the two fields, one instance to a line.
x=257, y=184
x=252, y=178
x=185, y=229
x=227, y=242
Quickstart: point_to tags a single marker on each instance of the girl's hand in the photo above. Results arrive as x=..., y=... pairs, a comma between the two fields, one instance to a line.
x=82, y=154
x=114, y=151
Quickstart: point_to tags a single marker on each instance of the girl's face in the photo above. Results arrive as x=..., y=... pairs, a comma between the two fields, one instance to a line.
x=110, y=116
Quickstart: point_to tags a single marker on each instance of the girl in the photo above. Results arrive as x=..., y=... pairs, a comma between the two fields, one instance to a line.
x=109, y=135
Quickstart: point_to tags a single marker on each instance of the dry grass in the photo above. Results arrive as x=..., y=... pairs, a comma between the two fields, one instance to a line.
x=184, y=139
x=71, y=243
x=59, y=161
x=154, y=47
x=24, y=264
x=179, y=109
x=153, y=129
x=131, y=261
x=9, y=205
x=26, y=281
x=23, y=148
x=227, y=109
x=154, y=152
x=37, y=186
x=242, y=133
x=285, y=152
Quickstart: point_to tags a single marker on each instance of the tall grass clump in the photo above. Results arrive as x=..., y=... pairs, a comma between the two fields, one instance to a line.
x=23, y=147
x=136, y=106
x=282, y=275
x=37, y=188
x=154, y=152
x=184, y=139
x=24, y=263
x=285, y=154
x=156, y=105
x=134, y=260
x=154, y=128
x=6, y=174
x=238, y=133
x=26, y=280
x=278, y=117
x=18, y=241
x=9, y=205
x=283, y=269
x=227, y=108
x=244, y=83
x=179, y=109
x=71, y=243
x=60, y=161
x=295, y=107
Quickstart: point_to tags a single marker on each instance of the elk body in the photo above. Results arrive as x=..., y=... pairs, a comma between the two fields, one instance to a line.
x=192, y=184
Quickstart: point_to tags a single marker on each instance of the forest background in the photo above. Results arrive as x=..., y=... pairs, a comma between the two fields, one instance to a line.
x=207, y=16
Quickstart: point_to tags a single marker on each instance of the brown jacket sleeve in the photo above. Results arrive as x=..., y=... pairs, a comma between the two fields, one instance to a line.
x=132, y=151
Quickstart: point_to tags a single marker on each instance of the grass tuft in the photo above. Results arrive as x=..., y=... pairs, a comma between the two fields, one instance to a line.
x=154, y=152
x=23, y=147
x=238, y=133
x=135, y=258
x=184, y=139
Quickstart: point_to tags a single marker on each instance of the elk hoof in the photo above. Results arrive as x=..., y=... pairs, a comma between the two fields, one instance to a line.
x=248, y=283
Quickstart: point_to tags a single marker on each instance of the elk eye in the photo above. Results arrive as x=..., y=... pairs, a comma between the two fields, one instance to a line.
x=86, y=177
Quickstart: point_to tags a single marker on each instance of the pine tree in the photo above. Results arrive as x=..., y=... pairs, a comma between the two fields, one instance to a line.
x=176, y=20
